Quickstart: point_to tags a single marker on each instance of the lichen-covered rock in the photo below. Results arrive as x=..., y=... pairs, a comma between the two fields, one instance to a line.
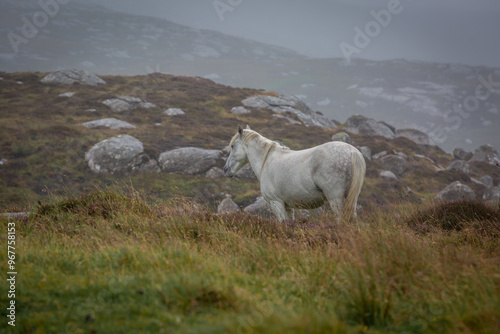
x=117, y=154
x=367, y=153
x=395, y=163
x=416, y=136
x=214, y=173
x=342, y=136
x=111, y=123
x=240, y=110
x=289, y=103
x=189, y=160
x=456, y=191
x=459, y=166
x=260, y=207
x=388, y=175
x=461, y=154
x=486, y=153
x=69, y=77
x=126, y=103
x=174, y=112
x=227, y=206
x=368, y=126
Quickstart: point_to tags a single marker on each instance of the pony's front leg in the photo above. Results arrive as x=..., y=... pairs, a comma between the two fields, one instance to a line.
x=279, y=210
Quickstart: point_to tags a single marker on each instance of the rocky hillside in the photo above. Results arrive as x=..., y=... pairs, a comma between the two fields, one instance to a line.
x=70, y=130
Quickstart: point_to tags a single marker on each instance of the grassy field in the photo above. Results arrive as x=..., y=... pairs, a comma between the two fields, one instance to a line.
x=117, y=261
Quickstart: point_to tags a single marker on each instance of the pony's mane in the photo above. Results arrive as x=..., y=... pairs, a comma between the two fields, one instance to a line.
x=250, y=134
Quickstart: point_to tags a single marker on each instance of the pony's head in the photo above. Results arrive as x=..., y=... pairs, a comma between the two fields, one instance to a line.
x=238, y=157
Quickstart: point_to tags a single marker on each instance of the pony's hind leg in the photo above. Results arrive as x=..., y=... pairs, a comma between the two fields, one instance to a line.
x=337, y=205
x=279, y=210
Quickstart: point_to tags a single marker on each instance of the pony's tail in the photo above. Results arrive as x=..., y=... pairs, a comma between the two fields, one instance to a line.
x=357, y=178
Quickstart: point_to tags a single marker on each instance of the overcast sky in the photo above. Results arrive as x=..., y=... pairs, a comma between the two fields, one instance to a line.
x=458, y=31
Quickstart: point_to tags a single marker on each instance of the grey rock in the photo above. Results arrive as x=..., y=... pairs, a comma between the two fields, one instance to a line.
x=246, y=173
x=456, y=191
x=111, y=123
x=388, y=174
x=342, y=136
x=214, y=173
x=459, y=166
x=379, y=155
x=227, y=206
x=117, y=105
x=126, y=103
x=260, y=207
x=416, y=136
x=395, y=163
x=3, y=162
x=486, y=180
x=288, y=103
x=69, y=77
x=493, y=195
x=150, y=166
x=367, y=153
x=174, y=112
x=461, y=154
x=368, y=126
x=189, y=160
x=486, y=153
x=67, y=94
x=240, y=110
x=116, y=154
x=288, y=119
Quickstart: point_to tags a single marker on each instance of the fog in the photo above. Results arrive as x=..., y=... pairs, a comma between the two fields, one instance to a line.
x=448, y=31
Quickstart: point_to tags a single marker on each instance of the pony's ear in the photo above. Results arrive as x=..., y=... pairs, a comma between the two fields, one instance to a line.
x=248, y=127
x=240, y=130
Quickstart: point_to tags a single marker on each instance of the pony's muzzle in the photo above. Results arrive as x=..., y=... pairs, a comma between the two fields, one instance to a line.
x=227, y=171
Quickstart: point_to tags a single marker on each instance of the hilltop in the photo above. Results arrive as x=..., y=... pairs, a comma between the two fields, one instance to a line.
x=44, y=143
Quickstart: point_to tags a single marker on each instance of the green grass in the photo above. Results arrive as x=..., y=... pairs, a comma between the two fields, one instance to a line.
x=117, y=261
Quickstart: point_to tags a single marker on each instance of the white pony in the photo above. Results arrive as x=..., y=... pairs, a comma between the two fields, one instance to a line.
x=332, y=172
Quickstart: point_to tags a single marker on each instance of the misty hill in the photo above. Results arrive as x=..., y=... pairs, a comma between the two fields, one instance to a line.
x=438, y=99
x=53, y=136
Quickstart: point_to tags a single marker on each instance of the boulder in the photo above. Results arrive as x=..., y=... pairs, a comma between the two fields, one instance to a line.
x=379, y=155
x=67, y=94
x=174, y=112
x=486, y=180
x=246, y=173
x=214, y=173
x=456, y=191
x=289, y=103
x=111, y=123
x=227, y=206
x=69, y=77
x=189, y=160
x=117, y=154
x=493, y=195
x=459, y=166
x=461, y=154
x=126, y=103
x=368, y=126
x=239, y=110
x=418, y=137
x=395, y=163
x=342, y=136
x=486, y=153
x=367, y=153
x=387, y=174
x=260, y=207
